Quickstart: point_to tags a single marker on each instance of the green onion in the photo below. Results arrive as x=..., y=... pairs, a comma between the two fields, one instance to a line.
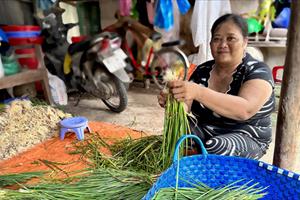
x=141, y=154
x=104, y=184
x=12, y=179
x=175, y=125
x=203, y=192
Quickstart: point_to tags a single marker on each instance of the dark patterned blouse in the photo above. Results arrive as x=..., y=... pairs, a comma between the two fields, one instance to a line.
x=257, y=127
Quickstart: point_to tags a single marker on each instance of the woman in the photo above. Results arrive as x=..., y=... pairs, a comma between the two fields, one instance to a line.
x=231, y=96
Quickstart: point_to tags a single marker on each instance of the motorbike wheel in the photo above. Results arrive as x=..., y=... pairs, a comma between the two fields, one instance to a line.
x=168, y=61
x=118, y=102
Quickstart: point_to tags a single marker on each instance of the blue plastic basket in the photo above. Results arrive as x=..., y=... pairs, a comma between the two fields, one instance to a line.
x=216, y=170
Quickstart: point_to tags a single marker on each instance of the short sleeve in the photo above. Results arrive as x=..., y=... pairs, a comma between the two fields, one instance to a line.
x=201, y=73
x=259, y=71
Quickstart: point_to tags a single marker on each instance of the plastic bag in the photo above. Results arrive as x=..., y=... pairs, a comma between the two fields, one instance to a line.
x=125, y=7
x=164, y=14
x=150, y=12
x=58, y=90
x=164, y=17
x=183, y=6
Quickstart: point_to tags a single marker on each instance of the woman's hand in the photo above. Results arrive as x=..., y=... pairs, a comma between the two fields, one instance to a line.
x=162, y=98
x=183, y=90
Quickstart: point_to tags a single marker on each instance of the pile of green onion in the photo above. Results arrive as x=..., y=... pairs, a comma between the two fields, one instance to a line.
x=203, y=192
x=104, y=184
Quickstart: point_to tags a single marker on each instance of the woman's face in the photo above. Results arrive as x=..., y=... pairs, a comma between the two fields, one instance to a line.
x=228, y=44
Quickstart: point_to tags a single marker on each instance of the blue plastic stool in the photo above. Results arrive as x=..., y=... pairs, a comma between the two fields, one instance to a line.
x=76, y=124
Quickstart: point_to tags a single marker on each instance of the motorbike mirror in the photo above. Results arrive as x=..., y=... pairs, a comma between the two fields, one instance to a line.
x=49, y=21
x=45, y=25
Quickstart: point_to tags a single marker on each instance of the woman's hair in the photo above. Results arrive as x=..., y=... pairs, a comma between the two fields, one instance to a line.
x=236, y=19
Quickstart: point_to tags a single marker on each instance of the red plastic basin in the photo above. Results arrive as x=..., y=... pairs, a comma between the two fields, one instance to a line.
x=24, y=41
x=7, y=28
x=25, y=51
x=31, y=63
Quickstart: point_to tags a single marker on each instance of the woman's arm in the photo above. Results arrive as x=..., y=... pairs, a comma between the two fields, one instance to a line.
x=252, y=96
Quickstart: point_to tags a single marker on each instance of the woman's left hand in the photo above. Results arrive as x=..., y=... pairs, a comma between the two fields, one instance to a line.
x=183, y=90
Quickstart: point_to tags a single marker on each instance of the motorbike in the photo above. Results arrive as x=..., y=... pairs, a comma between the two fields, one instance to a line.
x=94, y=65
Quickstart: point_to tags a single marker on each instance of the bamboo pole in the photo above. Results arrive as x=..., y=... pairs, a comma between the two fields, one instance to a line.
x=287, y=144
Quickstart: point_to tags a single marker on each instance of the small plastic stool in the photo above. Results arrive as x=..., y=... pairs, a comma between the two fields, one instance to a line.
x=76, y=124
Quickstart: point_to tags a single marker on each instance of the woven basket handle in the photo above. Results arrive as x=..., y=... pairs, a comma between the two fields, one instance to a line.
x=184, y=137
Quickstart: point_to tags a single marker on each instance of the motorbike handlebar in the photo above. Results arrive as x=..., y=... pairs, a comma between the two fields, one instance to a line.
x=71, y=25
x=173, y=43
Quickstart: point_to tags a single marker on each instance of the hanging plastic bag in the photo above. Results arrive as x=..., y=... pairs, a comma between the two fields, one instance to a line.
x=58, y=90
x=125, y=7
x=164, y=14
x=150, y=12
x=183, y=6
x=164, y=17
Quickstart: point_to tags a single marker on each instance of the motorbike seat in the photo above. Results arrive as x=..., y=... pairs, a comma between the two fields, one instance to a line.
x=79, y=46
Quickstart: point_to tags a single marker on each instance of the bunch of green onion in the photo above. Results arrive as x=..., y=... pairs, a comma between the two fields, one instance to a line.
x=104, y=184
x=175, y=123
x=141, y=154
x=201, y=191
x=12, y=179
x=91, y=150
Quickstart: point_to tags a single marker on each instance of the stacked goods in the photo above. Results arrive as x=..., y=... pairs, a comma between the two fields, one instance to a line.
x=27, y=36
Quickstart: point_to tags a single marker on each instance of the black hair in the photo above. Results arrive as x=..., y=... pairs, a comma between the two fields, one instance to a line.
x=236, y=19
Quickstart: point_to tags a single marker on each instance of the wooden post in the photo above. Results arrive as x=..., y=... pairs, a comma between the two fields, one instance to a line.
x=287, y=144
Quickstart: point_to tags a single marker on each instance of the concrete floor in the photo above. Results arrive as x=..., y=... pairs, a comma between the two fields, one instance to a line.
x=143, y=112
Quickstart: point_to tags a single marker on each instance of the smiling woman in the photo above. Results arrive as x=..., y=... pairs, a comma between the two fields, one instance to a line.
x=230, y=119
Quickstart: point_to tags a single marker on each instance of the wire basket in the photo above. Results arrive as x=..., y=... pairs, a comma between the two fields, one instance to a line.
x=216, y=171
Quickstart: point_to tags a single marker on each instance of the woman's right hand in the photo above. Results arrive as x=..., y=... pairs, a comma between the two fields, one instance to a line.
x=162, y=98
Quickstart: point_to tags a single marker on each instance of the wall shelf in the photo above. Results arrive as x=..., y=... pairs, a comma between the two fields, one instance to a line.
x=262, y=41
